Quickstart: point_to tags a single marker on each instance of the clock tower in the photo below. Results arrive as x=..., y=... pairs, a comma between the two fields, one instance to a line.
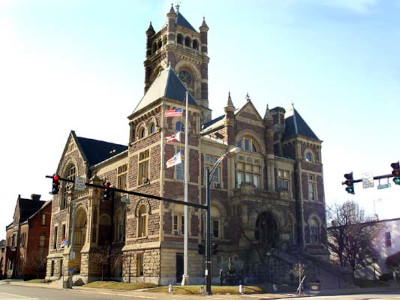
x=184, y=48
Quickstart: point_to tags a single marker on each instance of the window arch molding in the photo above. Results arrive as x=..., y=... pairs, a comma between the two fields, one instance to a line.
x=141, y=131
x=175, y=122
x=314, y=225
x=139, y=204
x=184, y=66
x=248, y=133
x=309, y=156
x=149, y=125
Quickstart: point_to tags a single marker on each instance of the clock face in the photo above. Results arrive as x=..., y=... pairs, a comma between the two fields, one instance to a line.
x=185, y=77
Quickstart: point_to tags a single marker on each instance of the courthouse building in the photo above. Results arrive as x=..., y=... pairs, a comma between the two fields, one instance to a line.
x=268, y=200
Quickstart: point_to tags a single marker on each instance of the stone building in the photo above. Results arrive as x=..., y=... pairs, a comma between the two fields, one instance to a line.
x=268, y=205
x=27, y=239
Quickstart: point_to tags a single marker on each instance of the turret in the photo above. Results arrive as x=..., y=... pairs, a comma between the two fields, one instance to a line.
x=230, y=121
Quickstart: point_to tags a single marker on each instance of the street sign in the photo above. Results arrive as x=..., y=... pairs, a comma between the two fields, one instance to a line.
x=79, y=184
x=125, y=200
x=367, y=180
x=384, y=186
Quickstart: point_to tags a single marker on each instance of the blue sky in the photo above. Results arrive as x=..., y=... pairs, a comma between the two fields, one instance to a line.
x=78, y=65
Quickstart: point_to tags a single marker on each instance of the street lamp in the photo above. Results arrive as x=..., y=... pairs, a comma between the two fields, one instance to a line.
x=209, y=173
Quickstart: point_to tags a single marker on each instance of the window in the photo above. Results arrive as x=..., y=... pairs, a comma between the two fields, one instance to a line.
x=144, y=167
x=179, y=224
x=122, y=176
x=195, y=45
x=247, y=144
x=188, y=41
x=312, y=188
x=64, y=236
x=179, y=126
x=43, y=220
x=142, y=219
x=210, y=161
x=308, y=156
x=388, y=239
x=139, y=264
x=120, y=227
x=283, y=180
x=249, y=172
x=179, y=39
x=215, y=228
x=142, y=132
x=55, y=237
x=314, y=231
x=152, y=128
x=42, y=240
x=69, y=174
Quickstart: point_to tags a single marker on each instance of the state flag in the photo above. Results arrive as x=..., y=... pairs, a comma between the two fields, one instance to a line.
x=174, y=160
x=176, y=137
x=173, y=113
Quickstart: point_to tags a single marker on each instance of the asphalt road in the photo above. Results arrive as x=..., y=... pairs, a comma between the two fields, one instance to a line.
x=14, y=292
x=374, y=296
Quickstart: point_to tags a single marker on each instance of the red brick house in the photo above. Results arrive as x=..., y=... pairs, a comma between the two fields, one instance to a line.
x=27, y=239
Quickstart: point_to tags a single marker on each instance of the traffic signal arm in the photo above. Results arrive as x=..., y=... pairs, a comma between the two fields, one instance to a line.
x=195, y=205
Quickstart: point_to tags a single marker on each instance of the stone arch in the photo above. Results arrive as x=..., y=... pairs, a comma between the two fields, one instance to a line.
x=188, y=41
x=266, y=229
x=144, y=202
x=179, y=39
x=105, y=220
x=314, y=225
x=195, y=85
x=195, y=44
x=152, y=120
x=141, y=131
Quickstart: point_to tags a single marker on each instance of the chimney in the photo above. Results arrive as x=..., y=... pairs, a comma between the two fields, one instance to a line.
x=35, y=197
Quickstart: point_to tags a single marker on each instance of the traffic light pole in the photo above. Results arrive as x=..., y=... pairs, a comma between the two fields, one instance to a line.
x=375, y=178
x=208, y=234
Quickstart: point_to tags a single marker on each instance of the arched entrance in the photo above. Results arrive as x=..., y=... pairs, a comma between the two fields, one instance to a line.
x=80, y=228
x=266, y=230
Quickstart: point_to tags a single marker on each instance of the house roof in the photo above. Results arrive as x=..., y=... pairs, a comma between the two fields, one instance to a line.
x=28, y=207
x=180, y=20
x=295, y=125
x=97, y=151
x=166, y=85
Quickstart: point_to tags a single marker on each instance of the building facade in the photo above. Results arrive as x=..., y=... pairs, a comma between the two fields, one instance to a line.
x=268, y=204
x=27, y=239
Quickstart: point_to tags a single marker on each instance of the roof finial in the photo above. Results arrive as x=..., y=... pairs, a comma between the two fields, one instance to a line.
x=248, y=97
x=267, y=107
x=177, y=5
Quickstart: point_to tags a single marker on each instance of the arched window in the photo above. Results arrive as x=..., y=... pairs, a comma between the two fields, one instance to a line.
x=159, y=44
x=120, y=227
x=188, y=41
x=142, y=132
x=195, y=45
x=248, y=144
x=142, y=220
x=179, y=39
x=308, y=156
x=152, y=127
x=315, y=236
x=179, y=126
x=70, y=173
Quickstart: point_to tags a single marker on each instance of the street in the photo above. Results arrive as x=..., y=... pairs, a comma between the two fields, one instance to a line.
x=374, y=296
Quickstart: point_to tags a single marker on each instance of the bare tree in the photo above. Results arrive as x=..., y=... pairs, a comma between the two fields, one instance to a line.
x=351, y=235
x=106, y=257
x=37, y=262
x=299, y=271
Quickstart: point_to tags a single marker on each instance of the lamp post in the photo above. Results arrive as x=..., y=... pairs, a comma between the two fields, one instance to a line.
x=209, y=173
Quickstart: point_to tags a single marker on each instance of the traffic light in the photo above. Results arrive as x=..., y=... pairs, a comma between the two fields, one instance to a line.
x=396, y=172
x=349, y=182
x=201, y=248
x=56, y=184
x=214, y=248
x=107, y=192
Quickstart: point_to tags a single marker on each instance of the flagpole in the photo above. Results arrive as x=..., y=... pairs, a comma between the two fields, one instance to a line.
x=185, y=279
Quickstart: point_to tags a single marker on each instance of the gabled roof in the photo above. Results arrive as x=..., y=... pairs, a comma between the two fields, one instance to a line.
x=28, y=207
x=166, y=85
x=180, y=20
x=295, y=125
x=97, y=151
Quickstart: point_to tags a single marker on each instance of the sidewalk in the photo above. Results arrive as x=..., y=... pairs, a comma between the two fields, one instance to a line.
x=166, y=296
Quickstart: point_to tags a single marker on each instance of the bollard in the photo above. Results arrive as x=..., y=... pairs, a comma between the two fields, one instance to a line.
x=240, y=289
x=170, y=288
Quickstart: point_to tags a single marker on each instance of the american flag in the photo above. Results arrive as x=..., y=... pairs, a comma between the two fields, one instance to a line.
x=173, y=113
x=174, y=160
x=176, y=137
x=64, y=243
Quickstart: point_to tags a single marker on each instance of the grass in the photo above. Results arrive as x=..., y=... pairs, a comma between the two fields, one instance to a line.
x=195, y=290
x=114, y=285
